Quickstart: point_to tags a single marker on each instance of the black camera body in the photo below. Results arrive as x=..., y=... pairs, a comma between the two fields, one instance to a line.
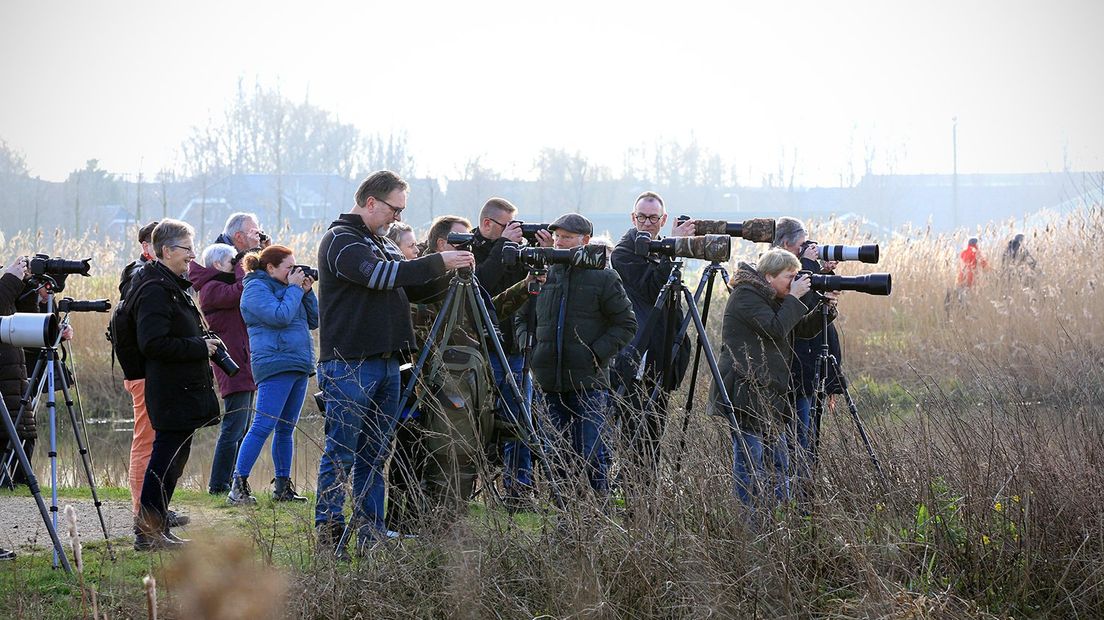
x=308, y=271
x=42, y=264
x=529, y=231
x=713, y=248
x=461, y=241
x=871, y=284
x=591, y=256
x=68, y=304
x=221, y=357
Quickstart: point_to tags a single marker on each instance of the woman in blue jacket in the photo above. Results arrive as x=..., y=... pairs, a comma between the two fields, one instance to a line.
x=279, y=309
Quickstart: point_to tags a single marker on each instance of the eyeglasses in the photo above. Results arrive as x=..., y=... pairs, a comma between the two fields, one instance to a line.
x=497, y=222
x=396, y=210
x=185, y=248
x=651, y=219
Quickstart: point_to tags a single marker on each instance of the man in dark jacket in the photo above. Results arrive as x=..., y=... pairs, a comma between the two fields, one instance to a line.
x=13, y=370
x=179, y=389
x=643, y=276
x=583, y=318
x=364, y=329
x=220, y=300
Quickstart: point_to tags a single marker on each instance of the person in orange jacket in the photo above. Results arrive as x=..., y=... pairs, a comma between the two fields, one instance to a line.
x=971, y=261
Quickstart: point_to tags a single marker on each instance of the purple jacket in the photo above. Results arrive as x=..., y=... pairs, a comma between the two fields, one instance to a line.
x=220, y=300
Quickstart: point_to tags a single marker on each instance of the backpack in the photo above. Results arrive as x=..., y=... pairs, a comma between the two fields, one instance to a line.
x=122, y=333
x=459, y=420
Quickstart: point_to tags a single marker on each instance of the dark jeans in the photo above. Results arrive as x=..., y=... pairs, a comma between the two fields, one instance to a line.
x=362, y=409
x=239, y=410
x=579, y=442
x=166, y=465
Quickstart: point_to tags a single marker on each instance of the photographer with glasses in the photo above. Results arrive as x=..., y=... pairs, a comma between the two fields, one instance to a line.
x=643, y=277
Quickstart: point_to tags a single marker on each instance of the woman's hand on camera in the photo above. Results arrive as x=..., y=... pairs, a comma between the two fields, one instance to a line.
x=212, y=345
x=308, y=282
x=810, y=252
x=18, y=268
x=832, y=298
x=800, y=285
x=296, y=276
x=455, y=259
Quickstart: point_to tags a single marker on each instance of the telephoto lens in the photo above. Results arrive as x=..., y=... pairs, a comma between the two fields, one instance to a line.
x=714, y=248
x=760, y=230
x=862, y=253
x=871, y=284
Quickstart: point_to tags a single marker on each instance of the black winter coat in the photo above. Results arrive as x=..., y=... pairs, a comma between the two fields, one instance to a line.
x=754, y=361
x=806, y=350
x=13, y=369
x=598, y=321
x=643, y=277
x=180, y=392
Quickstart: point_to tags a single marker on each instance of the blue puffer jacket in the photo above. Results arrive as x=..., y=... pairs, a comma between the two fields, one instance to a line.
x=279, y=318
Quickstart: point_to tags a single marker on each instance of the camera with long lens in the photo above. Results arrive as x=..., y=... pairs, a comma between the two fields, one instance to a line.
x=759, y=230
x=69, y=304
x=862, y=253
x=42, y=264
x=31, y=330
x=460, y=241
x=221, y=357
x=308, y=271
x=591, y=256
x=714, y=248
x=871, y=284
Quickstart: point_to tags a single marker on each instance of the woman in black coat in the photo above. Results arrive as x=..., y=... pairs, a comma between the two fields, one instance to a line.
x=180, y=395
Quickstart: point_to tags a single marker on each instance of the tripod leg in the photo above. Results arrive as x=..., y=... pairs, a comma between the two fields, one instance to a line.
x=30, y=399
x=706, y=283
x=51, y=408
x=86, y=460
x=438, y=323
x=32, y=484
x=718, y=382
x=532, y=436
x=854, y=410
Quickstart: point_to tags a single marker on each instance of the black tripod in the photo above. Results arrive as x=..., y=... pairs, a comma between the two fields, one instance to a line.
x=44, y=377
x=464, y=289
x=669, y=297
x=826, y=362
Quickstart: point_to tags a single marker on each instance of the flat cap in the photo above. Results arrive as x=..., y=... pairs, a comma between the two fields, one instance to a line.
x=573, y=222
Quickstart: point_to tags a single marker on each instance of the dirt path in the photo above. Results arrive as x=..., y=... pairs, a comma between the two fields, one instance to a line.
x=21, y=522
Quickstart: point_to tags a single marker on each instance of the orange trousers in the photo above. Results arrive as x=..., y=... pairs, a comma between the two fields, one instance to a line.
x=142, y=445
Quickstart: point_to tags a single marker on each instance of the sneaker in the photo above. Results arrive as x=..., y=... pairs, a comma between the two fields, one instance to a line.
x=240, y=494
x=156, y=542
x=6, y=554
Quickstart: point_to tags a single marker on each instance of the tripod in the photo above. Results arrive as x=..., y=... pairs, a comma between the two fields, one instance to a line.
x=464, y=289
x=826, y=362
x=44, y=376
x=669, y=297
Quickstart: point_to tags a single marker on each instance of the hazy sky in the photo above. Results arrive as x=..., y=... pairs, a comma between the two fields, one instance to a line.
x=759, y=83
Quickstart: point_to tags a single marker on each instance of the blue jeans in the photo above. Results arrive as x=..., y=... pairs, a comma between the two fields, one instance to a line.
x=239, y=410
x=362, y=409
x=581, y=434
x=751, y=481
x=279, y=402
x=516, y=456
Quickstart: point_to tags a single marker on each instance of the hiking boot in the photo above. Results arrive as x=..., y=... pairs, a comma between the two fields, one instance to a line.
x=240, y=495
x=149, y=533
x=176, y=539
x=285, y=492
x=329, y=540
x=175, y=519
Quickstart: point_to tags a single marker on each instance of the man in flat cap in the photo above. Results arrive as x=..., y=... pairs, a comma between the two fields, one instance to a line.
x=584, y=318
